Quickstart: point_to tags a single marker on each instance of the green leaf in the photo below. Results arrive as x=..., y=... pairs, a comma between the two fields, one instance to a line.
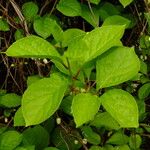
x=143, y=67
x=122, y=147
x=95, y=1
x=89, y=17
x=74, y=66
x=91, y=136
x=147, y=128
x=3, y=25
x=84, y=108
x=42, y=26
x=45, y=26
x=107, y=10
x=10, y=100
x=49, y=124
x=51, y=148
x=142, y=109
x=144, y=79
x=10, y=140
x=95, y=43
x=69, y=7
x=32, y=46
x=19, y=34
x=147, y=17
x=57, y=31
x=70, y=35
x=73, y=8
x=118, y=138
x=118, y=65
x=45, y=95
x=105, y=120
x=136, y=78
x=37, y=136
x=125, y=2
x=87, y=69
x=144, y=42
x=135, y=141
x=29, y=10
x=108, y=147
x=60, y=67
x=18, y=118
x=33, y=79
x=139, y=130
x=117, y=20
x=7, y=112
x=144, y=91
x=122, y=107
x=2, y=129
x=25, y=148
x=132, y=18
x=96, y=148
x=2, y=92
x=66, y=105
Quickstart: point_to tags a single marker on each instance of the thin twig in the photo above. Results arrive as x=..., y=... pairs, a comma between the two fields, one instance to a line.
x=45, y=4
x=53, y=7
x=92, y=13
x=21, y=17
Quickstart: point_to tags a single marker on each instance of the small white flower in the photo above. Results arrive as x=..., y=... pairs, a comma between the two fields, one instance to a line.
x=84, y=141
x=135, y=85
x=76, y=142
x=6, y=120
x=145, y=57
x=134, y=90
x=58, y=120
x=45, y=61
x=141, y=57
x=140, y=49
x=12, y=65
x=82, y=90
